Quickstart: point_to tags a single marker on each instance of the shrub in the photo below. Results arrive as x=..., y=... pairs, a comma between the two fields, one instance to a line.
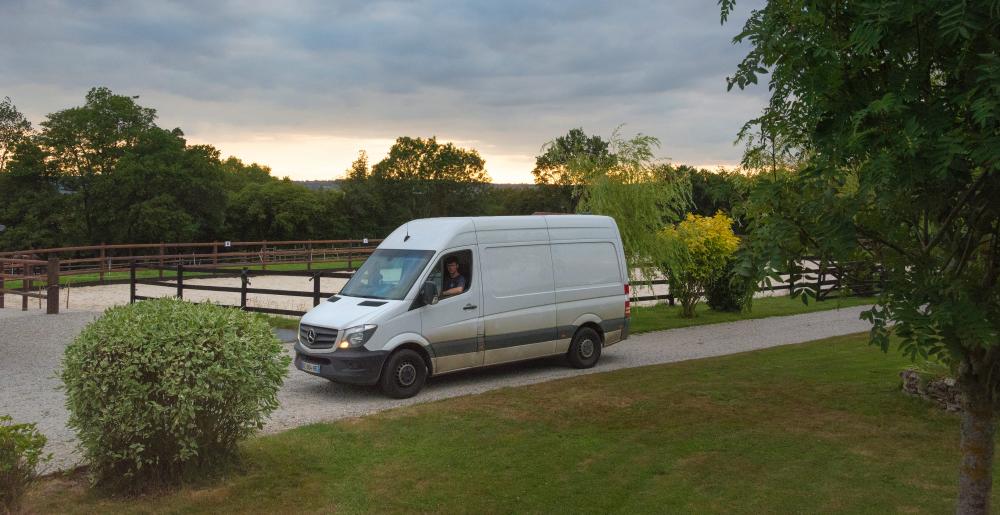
x=726, y=291
x=20, y=454
x=162, y=390
x=695, y=252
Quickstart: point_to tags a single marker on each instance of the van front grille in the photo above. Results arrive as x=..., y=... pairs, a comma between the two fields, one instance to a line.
x=322, y=337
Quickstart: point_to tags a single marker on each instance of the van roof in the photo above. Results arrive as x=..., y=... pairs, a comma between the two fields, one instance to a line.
x=442, y=233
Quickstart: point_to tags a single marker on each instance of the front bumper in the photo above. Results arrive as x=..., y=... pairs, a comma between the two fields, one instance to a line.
x=352, y=366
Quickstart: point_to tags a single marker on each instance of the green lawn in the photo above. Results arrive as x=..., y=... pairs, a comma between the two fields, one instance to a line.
x=662, y=316
x=814, y=428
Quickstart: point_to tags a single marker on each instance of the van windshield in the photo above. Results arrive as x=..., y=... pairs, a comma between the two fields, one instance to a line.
x=387, y=274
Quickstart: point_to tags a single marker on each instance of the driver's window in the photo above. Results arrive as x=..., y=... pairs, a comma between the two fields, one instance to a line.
x=453, y=273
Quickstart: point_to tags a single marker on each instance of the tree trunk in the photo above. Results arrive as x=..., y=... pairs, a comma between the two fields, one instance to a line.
x=687, y=308
x=978, y=429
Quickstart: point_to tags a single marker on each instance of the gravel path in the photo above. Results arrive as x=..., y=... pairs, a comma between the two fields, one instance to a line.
x=31, y=346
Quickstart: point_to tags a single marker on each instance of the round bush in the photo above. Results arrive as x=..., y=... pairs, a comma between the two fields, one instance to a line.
x=725, y=292
x=163, y=390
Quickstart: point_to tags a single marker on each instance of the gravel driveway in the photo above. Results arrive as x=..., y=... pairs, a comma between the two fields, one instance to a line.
x=31, y=347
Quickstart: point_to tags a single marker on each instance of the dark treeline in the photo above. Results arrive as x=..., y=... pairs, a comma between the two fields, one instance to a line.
x=104, y=172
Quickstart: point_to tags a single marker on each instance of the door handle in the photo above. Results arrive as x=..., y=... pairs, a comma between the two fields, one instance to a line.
x=469, y=306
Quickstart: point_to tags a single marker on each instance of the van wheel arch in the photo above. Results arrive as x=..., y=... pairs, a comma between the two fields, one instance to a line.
x=595, y=327
x=419, y=349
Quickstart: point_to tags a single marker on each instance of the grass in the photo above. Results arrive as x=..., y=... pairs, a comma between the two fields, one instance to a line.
x=814, y=428
x=663, y=316
x=281, y=321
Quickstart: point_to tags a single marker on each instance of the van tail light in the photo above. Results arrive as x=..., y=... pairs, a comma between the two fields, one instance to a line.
x=628, y=303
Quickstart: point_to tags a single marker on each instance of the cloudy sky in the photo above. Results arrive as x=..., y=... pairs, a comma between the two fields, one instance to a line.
x=302, y=86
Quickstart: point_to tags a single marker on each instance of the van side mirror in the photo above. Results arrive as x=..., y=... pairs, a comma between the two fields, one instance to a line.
x=429, y=293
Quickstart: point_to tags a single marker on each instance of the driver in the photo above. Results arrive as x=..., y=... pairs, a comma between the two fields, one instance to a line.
x=454, y=282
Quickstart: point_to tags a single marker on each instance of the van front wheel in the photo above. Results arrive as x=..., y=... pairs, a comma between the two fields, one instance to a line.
x=585, y=349
x=404, y=374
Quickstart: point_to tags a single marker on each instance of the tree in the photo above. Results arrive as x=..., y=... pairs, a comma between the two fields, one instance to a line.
x=552, y=166
x=711, y=192
x=698, y=249
x=893, y=111
x=85, y=142
x=31, y=207
x=14, y=129
x=162, y=190
x=631, y=189
x=275, y=210
x=237, y=174
x=562, y=186
x=438, y=180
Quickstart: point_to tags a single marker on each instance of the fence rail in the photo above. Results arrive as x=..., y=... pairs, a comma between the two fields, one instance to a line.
x=102, y=261
x=825, y=278
x=245, y=275
x=29, y=273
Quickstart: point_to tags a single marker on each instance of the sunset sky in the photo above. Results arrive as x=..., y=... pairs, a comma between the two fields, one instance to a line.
x=303, y=86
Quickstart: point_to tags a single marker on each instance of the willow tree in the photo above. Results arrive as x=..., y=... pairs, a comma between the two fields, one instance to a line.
x=639, y=191
x=893, y=111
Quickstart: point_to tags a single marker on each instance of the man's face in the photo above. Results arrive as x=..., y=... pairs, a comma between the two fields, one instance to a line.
x=452, y=268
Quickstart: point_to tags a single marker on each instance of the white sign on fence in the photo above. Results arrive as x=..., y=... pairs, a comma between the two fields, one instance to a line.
x=228, y=244
x=365, y=241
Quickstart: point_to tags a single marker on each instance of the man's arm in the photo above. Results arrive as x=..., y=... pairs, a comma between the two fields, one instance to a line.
x=457, y=289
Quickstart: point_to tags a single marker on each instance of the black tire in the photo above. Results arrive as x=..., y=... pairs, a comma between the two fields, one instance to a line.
x=585, y=349
x=404, y=374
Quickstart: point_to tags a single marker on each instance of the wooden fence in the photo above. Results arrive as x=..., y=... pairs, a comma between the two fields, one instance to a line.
x=245, y=275
x=103, y=262
x=28, y=271
x=825, y=278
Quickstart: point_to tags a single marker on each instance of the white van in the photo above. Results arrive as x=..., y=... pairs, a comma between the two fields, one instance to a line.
x=445, y=294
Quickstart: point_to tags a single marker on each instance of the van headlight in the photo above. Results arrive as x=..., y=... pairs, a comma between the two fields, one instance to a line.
x=357, y=336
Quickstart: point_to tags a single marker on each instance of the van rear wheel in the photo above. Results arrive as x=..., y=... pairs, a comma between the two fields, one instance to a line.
x=404, y=374
x=585, y=349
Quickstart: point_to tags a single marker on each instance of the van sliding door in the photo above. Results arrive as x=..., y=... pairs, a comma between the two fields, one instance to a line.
x=519, y=302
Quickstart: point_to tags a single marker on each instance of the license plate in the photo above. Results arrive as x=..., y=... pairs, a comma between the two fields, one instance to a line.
x=309, y=367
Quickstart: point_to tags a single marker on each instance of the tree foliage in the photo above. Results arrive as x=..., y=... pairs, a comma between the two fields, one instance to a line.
x=86, y=142
x=418, y=178
x=697, y=250
x=632, y=189
x=892, y=110
x=14, y=129
x=553, y=171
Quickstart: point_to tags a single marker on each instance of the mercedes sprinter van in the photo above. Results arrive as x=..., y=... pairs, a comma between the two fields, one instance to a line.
x=440, y=295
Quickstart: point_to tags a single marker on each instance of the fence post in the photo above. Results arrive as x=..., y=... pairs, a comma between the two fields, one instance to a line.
x=25, y=286
x=162, y=252
x=100, y=272
x=309, y=262
x=215, y=253
x=2, y=294
x=180, y=280
x=52, y=288
x=244, y=280
x=820, y=277
x=131, y=281
x=792, y=271
x=263, y=256
x=350, y=246
x=316, y=288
